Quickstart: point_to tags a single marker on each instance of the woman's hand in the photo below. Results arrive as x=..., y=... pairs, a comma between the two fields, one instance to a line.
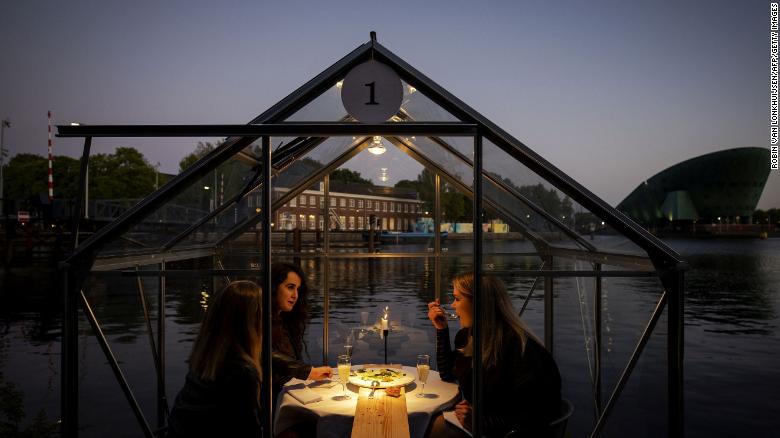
x=463, y=414
x=436, y=315
x=320, y=373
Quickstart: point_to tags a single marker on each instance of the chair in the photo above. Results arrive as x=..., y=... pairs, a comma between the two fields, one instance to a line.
x=557, y=426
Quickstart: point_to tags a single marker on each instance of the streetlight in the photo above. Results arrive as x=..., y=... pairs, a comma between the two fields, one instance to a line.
x=5, y=124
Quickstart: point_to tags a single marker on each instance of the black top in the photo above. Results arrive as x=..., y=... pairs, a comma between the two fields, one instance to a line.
x=287, y=357
x=522, y=392
x=228, y=406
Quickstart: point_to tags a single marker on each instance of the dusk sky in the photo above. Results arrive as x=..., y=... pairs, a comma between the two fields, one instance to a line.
x=610, y=92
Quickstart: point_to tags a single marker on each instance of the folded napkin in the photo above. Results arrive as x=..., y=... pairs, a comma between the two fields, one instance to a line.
x=305, y=395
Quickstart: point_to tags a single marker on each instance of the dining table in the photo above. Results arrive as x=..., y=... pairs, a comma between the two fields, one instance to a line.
x=335, y=416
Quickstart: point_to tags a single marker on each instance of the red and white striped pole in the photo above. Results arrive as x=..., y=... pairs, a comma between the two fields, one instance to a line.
x=51, y=175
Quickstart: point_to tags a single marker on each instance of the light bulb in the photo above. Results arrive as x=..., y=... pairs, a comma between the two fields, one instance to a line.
x=377, y=148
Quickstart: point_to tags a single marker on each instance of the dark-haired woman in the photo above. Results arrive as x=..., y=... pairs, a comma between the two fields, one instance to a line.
x=222, y=389
x=521, y=383
x=289, y=315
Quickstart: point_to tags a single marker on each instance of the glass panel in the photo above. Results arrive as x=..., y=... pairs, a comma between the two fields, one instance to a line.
x=316, y=160
x=360, y=289
x=418, y=107
x=626, y=307
x=505, y=212
x=190, y=205
x=415, y=106
x=386, y=192
x=116, y=303
x=505, y=171
x=325, y=107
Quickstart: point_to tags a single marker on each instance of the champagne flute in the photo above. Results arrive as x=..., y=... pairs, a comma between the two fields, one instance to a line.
x=344, y=366
x=349, y=343
x=423, y=367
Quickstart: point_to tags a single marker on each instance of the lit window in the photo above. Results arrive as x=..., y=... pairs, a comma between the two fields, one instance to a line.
x=292, y=203
x=303, y=200
x=343, y=202
x=360, y=203
x=332, y=202
x=351, y=203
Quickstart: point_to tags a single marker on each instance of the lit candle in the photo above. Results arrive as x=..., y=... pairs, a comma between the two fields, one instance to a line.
x=384, y=319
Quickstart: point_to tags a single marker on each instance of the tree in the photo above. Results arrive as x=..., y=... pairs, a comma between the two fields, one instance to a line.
x=200, y=151
x=349, y=177
x=26, y=176
x=123, y=174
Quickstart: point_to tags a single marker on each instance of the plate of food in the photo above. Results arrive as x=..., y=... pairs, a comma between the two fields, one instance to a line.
x=386, y=377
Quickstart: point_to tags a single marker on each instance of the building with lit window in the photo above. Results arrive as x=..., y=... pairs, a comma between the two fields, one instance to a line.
x=350, y=208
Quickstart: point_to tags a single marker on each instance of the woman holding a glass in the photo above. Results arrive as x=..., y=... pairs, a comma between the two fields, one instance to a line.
x=518, y=372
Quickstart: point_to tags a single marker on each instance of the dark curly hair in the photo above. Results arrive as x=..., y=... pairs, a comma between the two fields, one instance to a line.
x=295, y=320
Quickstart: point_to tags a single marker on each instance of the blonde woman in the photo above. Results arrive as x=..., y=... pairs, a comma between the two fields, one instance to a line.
x=521, y=383
x=222, y=389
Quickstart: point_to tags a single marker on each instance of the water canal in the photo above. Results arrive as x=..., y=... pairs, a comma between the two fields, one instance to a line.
x=732, y=335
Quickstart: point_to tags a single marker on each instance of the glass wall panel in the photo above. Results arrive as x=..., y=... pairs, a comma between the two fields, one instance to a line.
x=591, y=230
x=626, y=306
x=116, y=303
x=187, y=207
x=361, y=289
x=315, y=161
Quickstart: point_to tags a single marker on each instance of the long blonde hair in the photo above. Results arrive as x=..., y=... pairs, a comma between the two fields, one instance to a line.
x=232, y=326
x=498, y=317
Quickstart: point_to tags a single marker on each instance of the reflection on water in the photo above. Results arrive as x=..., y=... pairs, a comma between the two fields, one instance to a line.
x=732, y=307
x=721, y=294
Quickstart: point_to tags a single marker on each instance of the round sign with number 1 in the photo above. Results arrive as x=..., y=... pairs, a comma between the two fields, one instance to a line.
x=372, y=92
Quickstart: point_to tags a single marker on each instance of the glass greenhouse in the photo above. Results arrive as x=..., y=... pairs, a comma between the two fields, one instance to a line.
x=605, y=295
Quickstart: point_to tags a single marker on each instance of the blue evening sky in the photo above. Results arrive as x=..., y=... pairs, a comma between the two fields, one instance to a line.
x=611, y=92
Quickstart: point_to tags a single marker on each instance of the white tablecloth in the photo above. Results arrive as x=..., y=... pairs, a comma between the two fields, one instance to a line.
x=334, y=418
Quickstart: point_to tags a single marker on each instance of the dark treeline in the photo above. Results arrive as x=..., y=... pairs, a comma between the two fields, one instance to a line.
x=123, y=174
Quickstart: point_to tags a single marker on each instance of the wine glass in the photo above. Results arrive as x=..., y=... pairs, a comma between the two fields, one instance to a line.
x=349, y=343
x=423, y=367
x=344, y=366
x=450, y=310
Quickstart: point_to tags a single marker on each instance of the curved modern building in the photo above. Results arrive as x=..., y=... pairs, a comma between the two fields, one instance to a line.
x=724, y=185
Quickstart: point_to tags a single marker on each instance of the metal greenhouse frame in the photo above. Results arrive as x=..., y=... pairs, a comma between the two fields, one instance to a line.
x=661, y=262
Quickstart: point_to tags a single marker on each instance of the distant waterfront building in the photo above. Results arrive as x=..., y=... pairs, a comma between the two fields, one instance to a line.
x=351, y=208
x=723, y=186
